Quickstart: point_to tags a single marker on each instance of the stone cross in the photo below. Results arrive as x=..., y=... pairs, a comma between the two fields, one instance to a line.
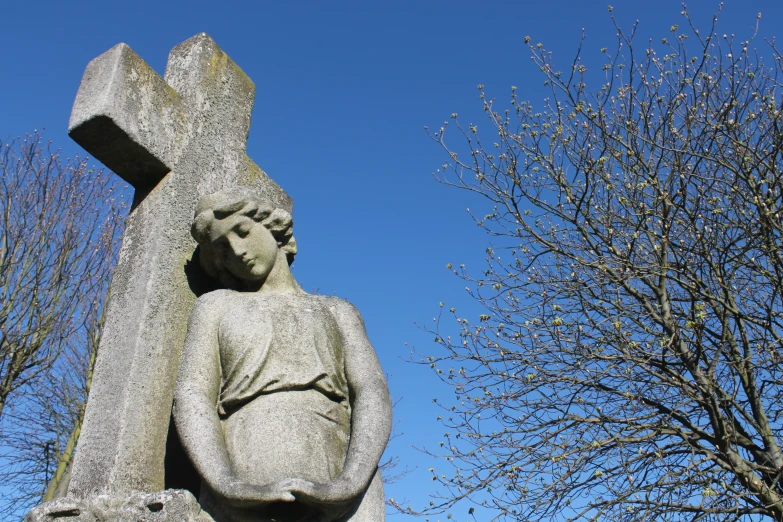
x=174, y=139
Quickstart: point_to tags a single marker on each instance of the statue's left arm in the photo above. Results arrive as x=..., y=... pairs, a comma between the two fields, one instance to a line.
x=371, y=412
x=371, y=415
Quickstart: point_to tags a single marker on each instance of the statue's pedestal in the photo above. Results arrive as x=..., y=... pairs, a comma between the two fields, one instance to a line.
x=171, y=505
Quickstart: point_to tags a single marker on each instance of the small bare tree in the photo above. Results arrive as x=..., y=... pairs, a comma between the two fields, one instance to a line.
x=60, y=224
x=627, y=362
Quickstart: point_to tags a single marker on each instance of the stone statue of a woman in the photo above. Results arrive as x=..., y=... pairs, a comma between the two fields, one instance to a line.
x=280, y=403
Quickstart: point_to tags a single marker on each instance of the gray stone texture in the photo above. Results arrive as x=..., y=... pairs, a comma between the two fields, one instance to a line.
x=172, y=505
x=174, y=139
x=281, y=402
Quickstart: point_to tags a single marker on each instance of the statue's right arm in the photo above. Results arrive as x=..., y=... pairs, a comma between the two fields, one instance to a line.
x=195, y=409
x=198, y=386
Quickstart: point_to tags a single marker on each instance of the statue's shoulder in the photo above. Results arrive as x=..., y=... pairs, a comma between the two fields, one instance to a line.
x=215, y=300
x=339, y=306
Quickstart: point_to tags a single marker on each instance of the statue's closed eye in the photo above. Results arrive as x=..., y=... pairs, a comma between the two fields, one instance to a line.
x=243, y=230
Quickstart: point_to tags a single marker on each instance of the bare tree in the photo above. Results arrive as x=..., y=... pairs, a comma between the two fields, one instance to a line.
x=627, y=362
x=60, y=224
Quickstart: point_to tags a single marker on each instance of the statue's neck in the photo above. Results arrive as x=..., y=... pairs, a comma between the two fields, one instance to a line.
x=279, y=281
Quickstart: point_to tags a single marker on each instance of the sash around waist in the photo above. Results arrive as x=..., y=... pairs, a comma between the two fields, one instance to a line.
x=230, y=404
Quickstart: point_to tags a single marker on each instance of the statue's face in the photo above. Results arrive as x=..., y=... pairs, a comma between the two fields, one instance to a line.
x=247, y=248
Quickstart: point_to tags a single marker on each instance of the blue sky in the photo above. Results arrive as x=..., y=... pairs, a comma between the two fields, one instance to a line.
x=344, y=90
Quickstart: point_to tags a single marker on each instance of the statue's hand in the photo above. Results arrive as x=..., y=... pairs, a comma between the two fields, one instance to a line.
x=238, y=493
x=337, y=492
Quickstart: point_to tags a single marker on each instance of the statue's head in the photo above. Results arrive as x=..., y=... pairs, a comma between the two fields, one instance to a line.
x=241, y=236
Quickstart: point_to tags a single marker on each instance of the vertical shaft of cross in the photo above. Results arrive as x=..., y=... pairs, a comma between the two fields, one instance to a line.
x=174, y=140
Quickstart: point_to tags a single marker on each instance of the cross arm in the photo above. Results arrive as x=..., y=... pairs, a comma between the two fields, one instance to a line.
x=128, y=117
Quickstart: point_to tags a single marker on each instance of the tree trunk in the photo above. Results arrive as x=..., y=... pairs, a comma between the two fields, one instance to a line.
x=58, y=486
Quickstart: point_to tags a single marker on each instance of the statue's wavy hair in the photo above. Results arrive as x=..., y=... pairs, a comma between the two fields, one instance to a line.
x=245, y=201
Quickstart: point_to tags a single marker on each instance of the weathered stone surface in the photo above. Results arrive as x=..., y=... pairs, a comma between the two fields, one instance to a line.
x=128, y=117
x=172, y=505
x=280, y=400
x=303, y=410
x=175, y=139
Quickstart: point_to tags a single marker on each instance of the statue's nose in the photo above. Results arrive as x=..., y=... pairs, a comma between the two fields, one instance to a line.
x=237, y=246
